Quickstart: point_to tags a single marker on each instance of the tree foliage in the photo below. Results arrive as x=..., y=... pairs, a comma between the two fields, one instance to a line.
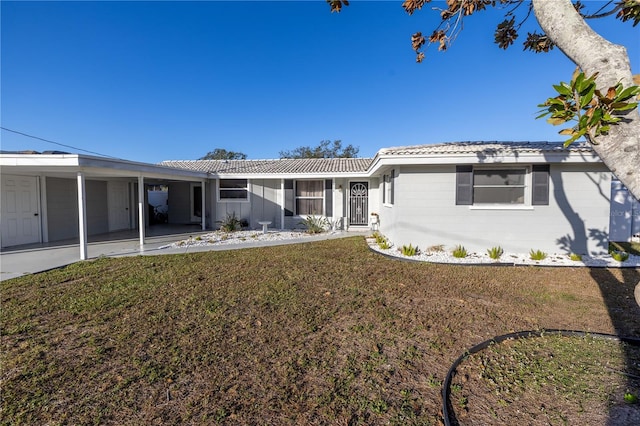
x=325, y=149
x=223, y=154
x=603, y=105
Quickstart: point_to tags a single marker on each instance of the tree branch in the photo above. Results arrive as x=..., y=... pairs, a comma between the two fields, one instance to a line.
x=620, y=148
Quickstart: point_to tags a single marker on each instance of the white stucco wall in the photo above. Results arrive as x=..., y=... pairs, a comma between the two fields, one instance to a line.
x=424, y=213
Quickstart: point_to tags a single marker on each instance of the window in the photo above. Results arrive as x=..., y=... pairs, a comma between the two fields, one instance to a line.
x=309, y=197
x=387, y=190
x=498, y=186
x=502, y=186
x=233, y=190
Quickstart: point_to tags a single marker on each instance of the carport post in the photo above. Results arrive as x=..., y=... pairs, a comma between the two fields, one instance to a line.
x=82, y=216
x=203, y=209
x=141, y=221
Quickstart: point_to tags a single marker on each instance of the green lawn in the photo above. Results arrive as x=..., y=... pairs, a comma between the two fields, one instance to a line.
x=317, y=333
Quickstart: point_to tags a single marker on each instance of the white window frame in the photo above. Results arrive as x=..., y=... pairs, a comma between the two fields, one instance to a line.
x=387, y=188
x=525, y=205
x=296, y=197
x=232, y=200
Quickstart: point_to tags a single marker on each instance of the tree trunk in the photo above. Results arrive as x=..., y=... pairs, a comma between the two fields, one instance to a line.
x=620, y=149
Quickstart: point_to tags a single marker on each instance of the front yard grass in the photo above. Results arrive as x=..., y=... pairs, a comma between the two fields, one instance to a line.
x=318, y=333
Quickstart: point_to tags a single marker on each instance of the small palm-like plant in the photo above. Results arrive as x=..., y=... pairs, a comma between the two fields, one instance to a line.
x=409, y=250
x=459, y=252
x=575, y=257
x=537, y=255
x=231, y=223
x=495, y=252
x=315, y=224
x=618, y=255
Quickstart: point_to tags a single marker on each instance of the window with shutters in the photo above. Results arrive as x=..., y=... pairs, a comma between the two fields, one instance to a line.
x=502, y=186
x=499, y=186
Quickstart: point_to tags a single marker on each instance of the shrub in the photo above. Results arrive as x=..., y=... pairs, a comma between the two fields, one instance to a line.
x=436, y=248
x=409, y=250
x=315, y=224
x=575, y=257
x=495, y=252
x=459, y=252
x=384, y=244
x=537, y=255
x=618, y=255
x=379, y=237
x=231, y=223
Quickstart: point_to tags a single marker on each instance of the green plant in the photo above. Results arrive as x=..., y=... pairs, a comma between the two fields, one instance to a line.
x=231, y=223
x=384, y=244
x=459, y=252
x=495, y=252
x=315, y=224
x=618, y=255
x=575, y=257
x=537, y=255
x=409, y=250
x=630, y=398
x=582, y=102
x=379, y=237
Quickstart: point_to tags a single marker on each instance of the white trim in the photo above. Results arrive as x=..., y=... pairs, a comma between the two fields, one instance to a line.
x=282, y=202
x=141, y=215
x=44, y=211
x=82, y=215
x=500, y=207
x=203, y=214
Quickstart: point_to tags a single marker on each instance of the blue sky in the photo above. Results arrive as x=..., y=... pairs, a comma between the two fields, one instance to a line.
x=153, y=81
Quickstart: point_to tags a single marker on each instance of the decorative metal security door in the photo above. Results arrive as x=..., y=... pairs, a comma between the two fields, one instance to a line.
x=359, y=204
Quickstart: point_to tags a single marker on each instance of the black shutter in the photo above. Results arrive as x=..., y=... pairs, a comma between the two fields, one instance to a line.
x=288, y=197
x=393, y=184
x=464, y=185
x=540, y=185
x=328, y=198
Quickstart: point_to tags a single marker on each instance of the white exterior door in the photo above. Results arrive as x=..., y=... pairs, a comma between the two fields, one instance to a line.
x=118, y=205
x=20, y=210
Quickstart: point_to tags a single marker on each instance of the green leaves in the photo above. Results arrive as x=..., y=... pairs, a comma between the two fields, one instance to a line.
x=581, y=101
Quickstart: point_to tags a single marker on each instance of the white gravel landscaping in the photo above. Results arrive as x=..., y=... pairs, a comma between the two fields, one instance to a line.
x=220, y=238
x=445, y=256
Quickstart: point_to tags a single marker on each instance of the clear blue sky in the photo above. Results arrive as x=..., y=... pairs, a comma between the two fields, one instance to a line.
x=153, y=81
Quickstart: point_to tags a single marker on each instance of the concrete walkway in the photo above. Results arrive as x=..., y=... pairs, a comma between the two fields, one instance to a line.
x=39, y=258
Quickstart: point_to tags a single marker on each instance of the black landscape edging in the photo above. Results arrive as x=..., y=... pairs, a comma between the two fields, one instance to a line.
x=447, y=408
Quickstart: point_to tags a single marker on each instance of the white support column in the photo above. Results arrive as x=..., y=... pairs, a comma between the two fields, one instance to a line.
x=141, y=221
x=203, y=203
x=282, y=201
x=82, y=216
x=44, y=213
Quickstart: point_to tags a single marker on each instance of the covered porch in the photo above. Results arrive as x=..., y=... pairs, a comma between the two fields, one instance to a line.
x=69, y=199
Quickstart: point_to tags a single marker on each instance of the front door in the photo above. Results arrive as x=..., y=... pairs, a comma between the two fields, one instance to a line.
x=118, y=205
x=20, y=210
x=358, y=204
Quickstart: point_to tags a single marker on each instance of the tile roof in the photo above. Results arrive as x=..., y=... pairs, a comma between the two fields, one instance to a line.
x=486, y=147
x=282, y=166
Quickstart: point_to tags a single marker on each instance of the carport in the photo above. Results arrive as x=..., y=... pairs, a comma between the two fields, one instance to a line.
x=55, y=196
